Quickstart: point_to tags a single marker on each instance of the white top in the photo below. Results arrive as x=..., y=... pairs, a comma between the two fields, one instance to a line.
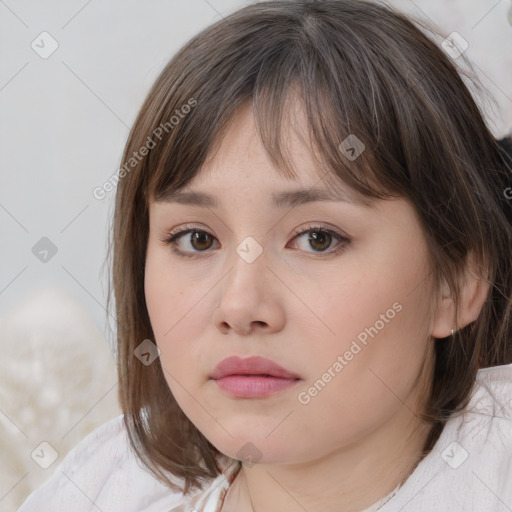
x=469, y=468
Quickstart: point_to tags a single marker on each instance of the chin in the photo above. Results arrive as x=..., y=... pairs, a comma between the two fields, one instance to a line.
x=255, y=449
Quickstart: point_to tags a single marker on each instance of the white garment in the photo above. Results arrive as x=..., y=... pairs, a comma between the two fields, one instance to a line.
x=469, y=468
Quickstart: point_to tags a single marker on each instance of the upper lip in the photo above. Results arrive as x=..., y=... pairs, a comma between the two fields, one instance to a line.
x=254, y=365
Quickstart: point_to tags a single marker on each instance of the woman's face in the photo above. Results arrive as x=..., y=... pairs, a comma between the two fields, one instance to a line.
x=350, y=318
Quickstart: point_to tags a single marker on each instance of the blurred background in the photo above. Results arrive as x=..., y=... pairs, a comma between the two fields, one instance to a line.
x=72, y=77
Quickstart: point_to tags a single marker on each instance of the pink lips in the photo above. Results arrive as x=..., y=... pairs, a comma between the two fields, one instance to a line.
x=253, y=377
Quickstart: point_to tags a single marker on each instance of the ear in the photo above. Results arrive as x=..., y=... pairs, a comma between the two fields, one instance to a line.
x=474, y=288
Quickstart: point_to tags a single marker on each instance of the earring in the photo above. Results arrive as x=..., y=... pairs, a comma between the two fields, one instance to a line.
x=452, y=332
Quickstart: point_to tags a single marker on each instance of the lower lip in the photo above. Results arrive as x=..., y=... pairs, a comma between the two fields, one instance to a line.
x=253, y=386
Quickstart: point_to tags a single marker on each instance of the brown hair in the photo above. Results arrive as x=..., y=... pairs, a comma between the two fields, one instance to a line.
x=359, y=68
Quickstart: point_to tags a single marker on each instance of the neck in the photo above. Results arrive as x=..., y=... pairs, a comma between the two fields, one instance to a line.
x=350, y=479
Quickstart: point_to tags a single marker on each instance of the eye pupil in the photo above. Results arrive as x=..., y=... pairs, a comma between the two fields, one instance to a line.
x=200, y=237
x=317, y=236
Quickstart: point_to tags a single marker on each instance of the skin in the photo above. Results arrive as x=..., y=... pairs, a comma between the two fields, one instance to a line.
x=359, y=437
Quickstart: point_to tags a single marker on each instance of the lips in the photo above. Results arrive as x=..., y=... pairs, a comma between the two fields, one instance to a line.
x=254, y=365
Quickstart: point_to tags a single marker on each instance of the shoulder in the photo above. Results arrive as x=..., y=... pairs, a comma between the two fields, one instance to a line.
x=102, y=472
x=490, y=408
x=499, y=377
x=470, y=467
x=478, y=441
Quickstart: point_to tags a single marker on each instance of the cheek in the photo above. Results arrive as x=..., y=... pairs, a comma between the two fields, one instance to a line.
x=384, y=297
x=365, y=377
x=375, y=338
x=167, y=297
x=158, y=295
x=177, y=314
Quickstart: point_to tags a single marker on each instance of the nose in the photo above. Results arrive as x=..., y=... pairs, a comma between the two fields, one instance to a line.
x=249, y=298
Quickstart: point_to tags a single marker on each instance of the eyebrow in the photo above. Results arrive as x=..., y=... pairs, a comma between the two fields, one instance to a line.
x=279, y=199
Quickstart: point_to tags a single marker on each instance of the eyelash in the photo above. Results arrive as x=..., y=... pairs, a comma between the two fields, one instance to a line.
x=173, y=236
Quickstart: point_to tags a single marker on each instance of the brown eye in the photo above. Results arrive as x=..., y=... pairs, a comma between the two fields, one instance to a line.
x=319, y=240
x=199, y=240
